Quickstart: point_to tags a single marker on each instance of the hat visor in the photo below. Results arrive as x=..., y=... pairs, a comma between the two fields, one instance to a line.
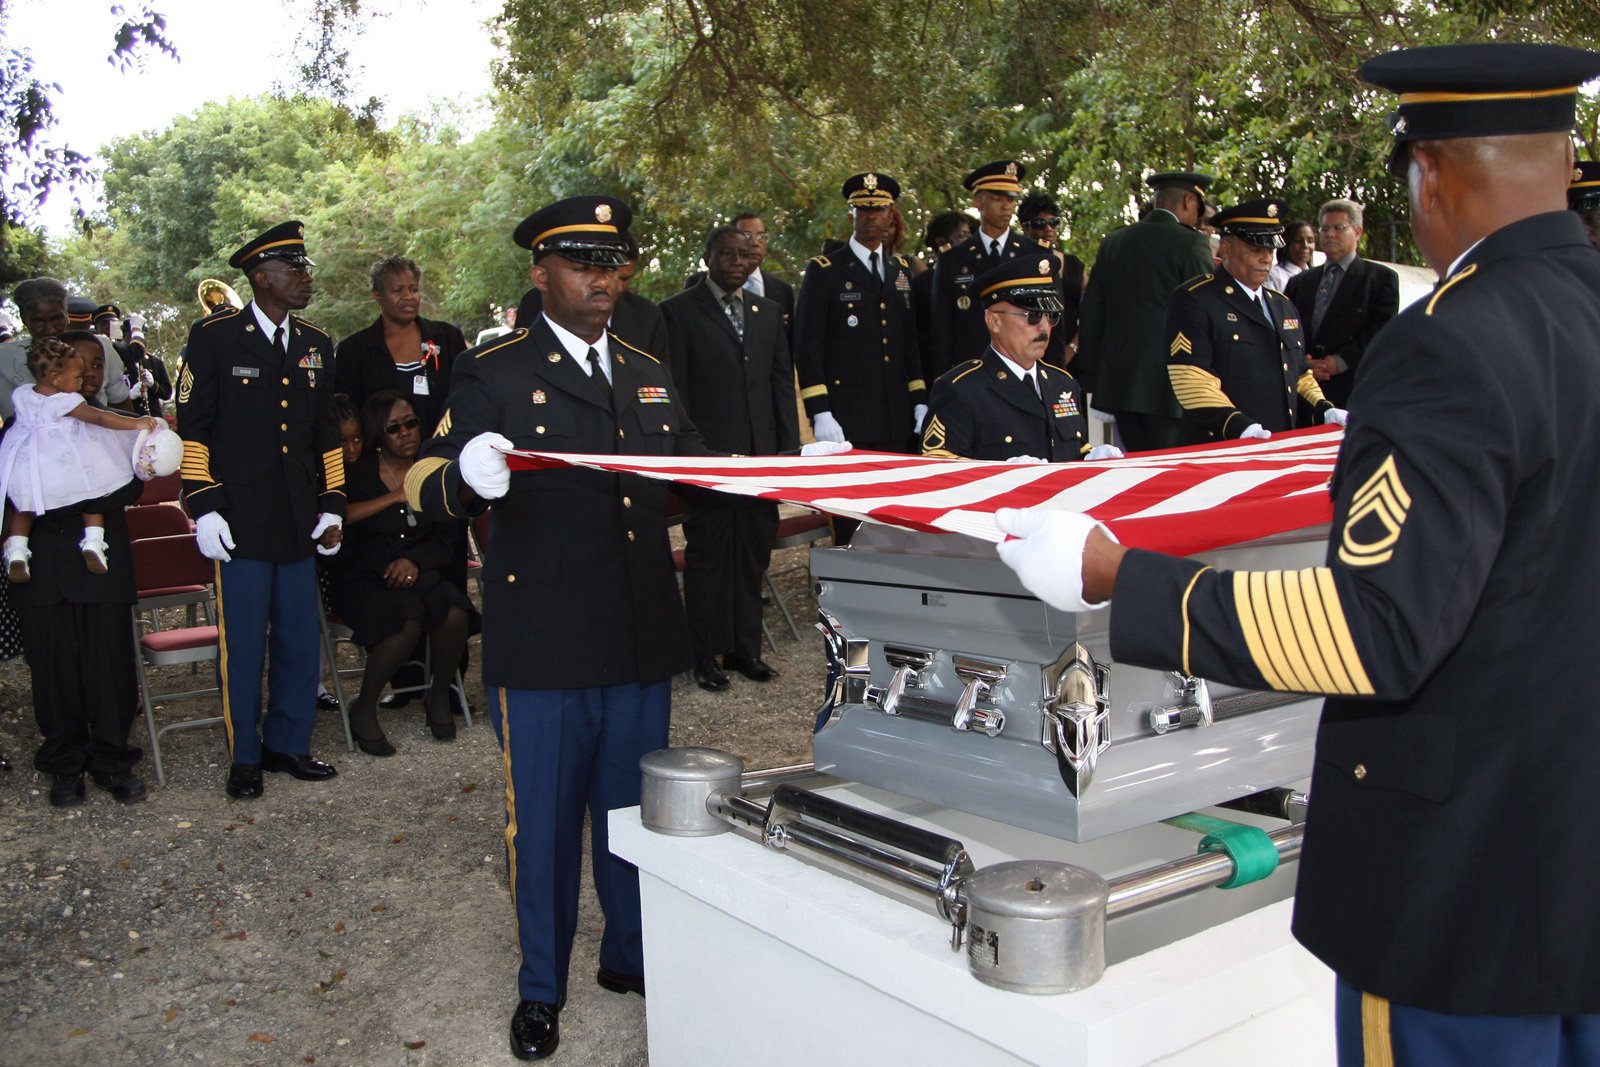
x=1030, y=298
x=1267, y=239
x=591, y=253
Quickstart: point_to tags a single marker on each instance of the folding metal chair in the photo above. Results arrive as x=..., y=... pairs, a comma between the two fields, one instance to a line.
x=335, y=631
x=156, y=520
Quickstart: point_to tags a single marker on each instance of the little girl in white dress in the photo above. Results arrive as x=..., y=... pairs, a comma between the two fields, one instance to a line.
x=59, y=451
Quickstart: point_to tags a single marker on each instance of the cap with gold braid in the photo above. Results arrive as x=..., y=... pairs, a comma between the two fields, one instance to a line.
x=285, y=241
x=1479, y=90
x=584, y=229
x=1584, y=192
x=1001, y=176
x=80, y=311
x=1256, y=222
x=870, y=190
x=1029, y=282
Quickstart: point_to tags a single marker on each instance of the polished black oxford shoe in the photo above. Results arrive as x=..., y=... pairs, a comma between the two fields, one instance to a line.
x=535, y=1030
x=754, y=668
x=244, y=781
x=327, y=702
x=66, y=790
x=302, y=767
x=710, y=678
x=617, y=982
x=123, y=787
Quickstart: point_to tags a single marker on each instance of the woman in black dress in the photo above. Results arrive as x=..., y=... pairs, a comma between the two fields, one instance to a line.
x=390, y=582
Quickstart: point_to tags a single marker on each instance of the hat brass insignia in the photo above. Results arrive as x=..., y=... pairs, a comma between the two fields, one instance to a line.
x=1272, y=211
x=300, y=231
x=1400, y=124
x=602, y=213
x=1011, y=170
x=870, y=182
x=1577, y=174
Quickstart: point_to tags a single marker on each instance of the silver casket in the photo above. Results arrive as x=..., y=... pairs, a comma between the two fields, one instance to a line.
x=951, y=683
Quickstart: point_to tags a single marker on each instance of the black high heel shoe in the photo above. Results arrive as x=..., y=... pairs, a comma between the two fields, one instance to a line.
x=372, y=746
x=441, y=723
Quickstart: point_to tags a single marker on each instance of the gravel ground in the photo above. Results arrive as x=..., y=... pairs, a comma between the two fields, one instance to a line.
x=364, y=920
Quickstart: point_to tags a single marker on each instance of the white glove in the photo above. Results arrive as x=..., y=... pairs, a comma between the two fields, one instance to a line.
x=326, y=522
x=825, y=448
x=1048, y=553
x=483, y=465
x=1101, y=416
x=1104, y=452
x=1336, y=417
x=824, y=427
x=918, y=413
x=212, y=533
x=147, y=377
x=1254, y=432
x=1024, y=459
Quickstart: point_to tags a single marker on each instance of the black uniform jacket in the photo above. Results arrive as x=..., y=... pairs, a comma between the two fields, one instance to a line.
x=980, y=409
x=365, y=367
x=260, y=444
x=1448, y=863
x=1122, y=348
x=1229, y=367
x=957, y=330
x=1367, y=298
x=739, y=393
x=578, y=584
x=856, y=346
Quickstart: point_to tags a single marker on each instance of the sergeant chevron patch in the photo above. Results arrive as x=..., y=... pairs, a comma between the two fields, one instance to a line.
x=1181, y=343
x=1377, y=512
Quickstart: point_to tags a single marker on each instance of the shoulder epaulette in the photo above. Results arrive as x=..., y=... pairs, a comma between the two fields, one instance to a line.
x=1196, y=282
x=1467, y=272
x=515, y=335
x=634, y=348
x=311, y=325
x=220, y=316
x=1053, y=367
x=822, y=261
x=961, y=370
x=898, y=258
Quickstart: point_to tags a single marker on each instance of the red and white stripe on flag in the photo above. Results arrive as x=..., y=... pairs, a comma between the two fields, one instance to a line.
x=1180, y=501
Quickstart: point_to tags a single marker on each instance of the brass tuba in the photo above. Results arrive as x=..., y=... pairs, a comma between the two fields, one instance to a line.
x=215, y=295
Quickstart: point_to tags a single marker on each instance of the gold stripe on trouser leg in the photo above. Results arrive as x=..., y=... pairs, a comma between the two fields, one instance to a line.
x=511, y=814
x=222, y=660
x=1377, y=1045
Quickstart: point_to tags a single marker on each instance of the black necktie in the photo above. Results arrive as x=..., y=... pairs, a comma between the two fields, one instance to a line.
x=1325, y=291
x=735, y=313
x=280, y=341
x=598, y=376
x=994, y=250
x=872, y=265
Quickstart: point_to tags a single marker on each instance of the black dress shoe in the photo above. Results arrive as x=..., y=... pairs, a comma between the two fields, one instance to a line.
x=709, y=676
x=380, y=746
x=124, y=788
x=66, y=790
x=327, y=702
x=5, y=764
x=244, y=781
x=617, y=982
x=302, y=767
x=755, y=668
x=535, y=1030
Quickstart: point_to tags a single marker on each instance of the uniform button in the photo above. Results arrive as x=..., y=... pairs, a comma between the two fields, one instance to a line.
x=886, y=359
x=885, y=340
x=883, y=322
x=511, y=577
x=630, y=535
x=836, y=381
x=538, y=429
x=1235, y=337
x=286, y=450
x=286, y=381
x=1008, y=439
x=620, y=433
x=883, y=307
x=284, y=426
x=283, y=403
x=666, y=428
x=1286, y=366
x=1360, y=772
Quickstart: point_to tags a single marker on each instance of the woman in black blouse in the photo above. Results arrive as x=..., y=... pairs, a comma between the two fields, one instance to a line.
x=402, y=351
x=389, y=583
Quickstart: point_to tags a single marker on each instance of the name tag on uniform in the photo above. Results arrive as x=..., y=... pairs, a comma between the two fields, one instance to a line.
x=964, y=279
x=247, y=372
x=849, y=298
x=419, y=385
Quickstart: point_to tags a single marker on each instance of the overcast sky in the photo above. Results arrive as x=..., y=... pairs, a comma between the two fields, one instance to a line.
x=418, y=52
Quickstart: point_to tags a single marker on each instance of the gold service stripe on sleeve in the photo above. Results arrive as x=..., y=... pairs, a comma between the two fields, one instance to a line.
x=1310, y=389
x=1296, y=632
x=333, y=469
x=1196, y=388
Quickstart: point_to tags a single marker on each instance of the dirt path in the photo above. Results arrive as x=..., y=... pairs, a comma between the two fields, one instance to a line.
x=364, y=920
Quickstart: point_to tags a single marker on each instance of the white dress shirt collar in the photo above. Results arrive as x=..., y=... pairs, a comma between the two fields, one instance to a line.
x=578, y=348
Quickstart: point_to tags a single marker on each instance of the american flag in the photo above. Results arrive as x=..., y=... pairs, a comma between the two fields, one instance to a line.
x=1181, y=501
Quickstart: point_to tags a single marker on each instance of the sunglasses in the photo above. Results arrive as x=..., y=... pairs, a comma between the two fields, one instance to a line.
x=1043, y=223
x=1036, y=317
x=409, y=424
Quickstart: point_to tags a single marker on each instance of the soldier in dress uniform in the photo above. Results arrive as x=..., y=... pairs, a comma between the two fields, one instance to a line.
x=1583, y=196
x=1445, y=879
x=856, y=335
x=958, y=327
x=580, y=575
x=263, y=476
x=1237, y=354
x=1009, y=404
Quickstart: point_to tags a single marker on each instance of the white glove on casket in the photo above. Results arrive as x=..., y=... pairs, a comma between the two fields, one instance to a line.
x=325, y=522
x=483, y=465
x=918, y=413
x=1105, y=452
x=824, y=427
x=1023, y=459
x=1254, y=432
x=1336, y=417
x=212, y=534
x=825, y=448
x=1047, y=553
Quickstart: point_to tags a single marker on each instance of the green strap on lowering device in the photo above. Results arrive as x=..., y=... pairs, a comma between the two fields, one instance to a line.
x=1252, y=851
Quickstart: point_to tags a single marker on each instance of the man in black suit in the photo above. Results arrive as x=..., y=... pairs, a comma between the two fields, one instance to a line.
x=1455, y=615
x=730, y=360
x=263, y=476
x=1343, y=303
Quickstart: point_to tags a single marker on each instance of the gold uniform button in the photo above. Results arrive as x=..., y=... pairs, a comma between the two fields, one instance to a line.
x=511, y=578
x=666, y=428
x=1235, y=337
x=538, y=429
x=284, y=426
x=627, y=502
x=630, y=535
x=1360, y=772
x=286, y=381
x=886, y=359
x=883, y=307
x=1286, y=366
x=286, y=450
x=283, y=403
x=1008, y=439
x=620, y=433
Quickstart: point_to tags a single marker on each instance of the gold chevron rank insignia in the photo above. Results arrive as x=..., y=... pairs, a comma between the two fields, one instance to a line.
x=1377, y=512
x=1181, y=343
x=933, y=436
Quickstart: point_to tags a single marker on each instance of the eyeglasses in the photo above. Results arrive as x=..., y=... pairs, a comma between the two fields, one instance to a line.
x=395, y=427
x=1043, y=223
x=756, y=238
x=1337, y=227
x=1035, y=317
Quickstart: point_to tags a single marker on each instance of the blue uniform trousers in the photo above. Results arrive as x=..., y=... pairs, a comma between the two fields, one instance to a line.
x=269, y=608
x=1374, y=1032
x=567, y=750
